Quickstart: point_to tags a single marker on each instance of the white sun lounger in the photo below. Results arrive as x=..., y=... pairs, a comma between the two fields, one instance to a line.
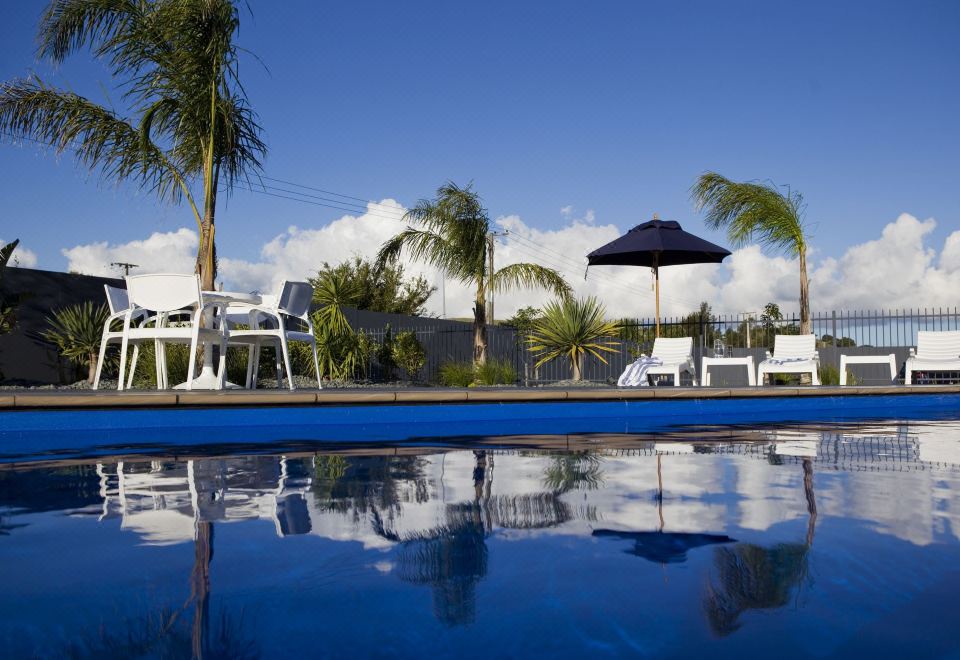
x=670, y=356
x=936, y=351
x=792, y=354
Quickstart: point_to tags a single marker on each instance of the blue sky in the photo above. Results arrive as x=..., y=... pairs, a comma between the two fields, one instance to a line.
x=614, y=107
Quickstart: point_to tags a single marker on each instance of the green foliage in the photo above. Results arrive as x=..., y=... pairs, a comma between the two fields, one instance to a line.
x=8, y=302
x=495, y=372
x=451, y=233
x=341, y=356
x=573, y=328
x=178, y=66
x=456, y=374
x=758, y=212
x=829, y=375
x=408, y=353
x=377, y=289
x=384, y=353
x=76, y=331
x=333, y=291
x=523, y=322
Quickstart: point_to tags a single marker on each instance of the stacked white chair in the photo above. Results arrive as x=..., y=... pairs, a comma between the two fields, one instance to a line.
x=119, y=305
x=792, y=354
x=936, y=351
x=163, y=295
x=269, y=324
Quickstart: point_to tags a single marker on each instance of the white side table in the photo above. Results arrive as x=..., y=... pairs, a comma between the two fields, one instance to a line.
x=845, y=360
x=707, y=362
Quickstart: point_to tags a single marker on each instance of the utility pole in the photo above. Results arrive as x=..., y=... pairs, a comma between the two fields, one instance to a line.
x=490, y=271
x=125, y=266
x=749, y=319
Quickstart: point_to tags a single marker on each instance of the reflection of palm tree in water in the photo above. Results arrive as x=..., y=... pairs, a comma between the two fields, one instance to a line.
x=754, y=577
x=452, y=558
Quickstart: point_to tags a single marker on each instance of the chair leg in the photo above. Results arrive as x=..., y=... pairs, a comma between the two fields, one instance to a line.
x=286, y=363
x=316, y=363
x=907, y=376
x=256, y=364
x=814, y=377
x=124, y=345
x=133, y=365
x=676, y=378
x=103, y=354
x=279, y=364
x=222, y=371
x=192, y=361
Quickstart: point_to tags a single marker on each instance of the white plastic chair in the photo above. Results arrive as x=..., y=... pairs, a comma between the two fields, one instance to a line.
x=936, y=351
x=792, y=354
x=119, y=304
x=166, y=294
x=269, y=325
x=676, y=354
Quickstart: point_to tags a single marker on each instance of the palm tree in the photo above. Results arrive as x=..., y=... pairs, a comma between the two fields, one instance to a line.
x=573, y=328
x=189, y=120
x=8, y=302
x=758, y=211
x=453, y=234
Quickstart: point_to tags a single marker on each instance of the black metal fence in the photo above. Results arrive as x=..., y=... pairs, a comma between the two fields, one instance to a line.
x=841, y=332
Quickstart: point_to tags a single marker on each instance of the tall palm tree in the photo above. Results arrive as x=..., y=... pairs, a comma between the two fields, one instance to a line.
x=452, y=232
x=573, y=328
x=189, y=123
x=758, y=211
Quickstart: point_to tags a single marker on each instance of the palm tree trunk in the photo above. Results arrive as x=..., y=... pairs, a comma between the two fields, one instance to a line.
x=577, y=367
x=805, y=326
x=811, y=499
x=206, y=259
x=200, y=586
x=479, y=328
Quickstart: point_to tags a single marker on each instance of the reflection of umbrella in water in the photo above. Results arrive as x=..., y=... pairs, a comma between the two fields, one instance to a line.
x=654, y=244
x=664, y=547
x=660, y=546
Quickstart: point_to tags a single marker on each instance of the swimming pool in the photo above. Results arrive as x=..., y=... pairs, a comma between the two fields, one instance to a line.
x=800, y=539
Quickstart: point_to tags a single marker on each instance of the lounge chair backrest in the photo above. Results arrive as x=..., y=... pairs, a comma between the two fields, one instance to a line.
x=294, y=298
x=673, y=349
x=943, y=345
x=164, y=292
x=795, y=346
x=116, y=299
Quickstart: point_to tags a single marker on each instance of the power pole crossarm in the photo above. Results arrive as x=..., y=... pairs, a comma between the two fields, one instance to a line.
x=125, y=266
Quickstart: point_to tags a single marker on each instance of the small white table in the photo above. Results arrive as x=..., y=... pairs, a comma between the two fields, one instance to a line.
x=845, y=360
x=707, y=362
x=208, y=378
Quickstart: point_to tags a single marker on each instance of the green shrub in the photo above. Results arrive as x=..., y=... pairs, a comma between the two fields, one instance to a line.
x=408, y=353
x=829, y=375
x=495, y=372
x=76, y=331
x=384, y=353
x=456, y=374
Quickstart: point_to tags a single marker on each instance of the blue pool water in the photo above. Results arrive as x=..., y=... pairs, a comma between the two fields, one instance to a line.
x=837, y=539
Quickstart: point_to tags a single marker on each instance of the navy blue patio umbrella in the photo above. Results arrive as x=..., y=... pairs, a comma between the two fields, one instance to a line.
x=654, y=244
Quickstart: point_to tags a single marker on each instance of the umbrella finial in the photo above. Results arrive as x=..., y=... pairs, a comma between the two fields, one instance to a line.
x=656, y=216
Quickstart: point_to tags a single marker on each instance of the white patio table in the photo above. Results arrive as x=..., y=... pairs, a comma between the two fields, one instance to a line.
x=707, y=362
x=208, y=378
x=845, y=360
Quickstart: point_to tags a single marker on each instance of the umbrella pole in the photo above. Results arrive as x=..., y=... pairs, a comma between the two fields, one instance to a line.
x=656, y=277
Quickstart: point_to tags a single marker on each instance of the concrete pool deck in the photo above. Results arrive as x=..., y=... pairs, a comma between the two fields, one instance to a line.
x=107, y=399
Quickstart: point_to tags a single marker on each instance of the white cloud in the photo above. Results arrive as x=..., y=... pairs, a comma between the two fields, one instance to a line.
x=21, y=257
x=898, y=269
x=172, y=252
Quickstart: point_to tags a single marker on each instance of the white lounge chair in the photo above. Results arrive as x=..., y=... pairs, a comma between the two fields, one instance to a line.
x=936, y=351
x=166, y=294
x=792, y=354
x=269, y=325
x=669, y=357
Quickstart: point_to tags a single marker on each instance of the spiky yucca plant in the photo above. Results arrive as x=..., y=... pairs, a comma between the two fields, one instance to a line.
x=573, y=328
x=76, y=331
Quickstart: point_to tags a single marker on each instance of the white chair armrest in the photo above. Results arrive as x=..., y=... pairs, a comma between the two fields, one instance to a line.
x=913, y=352
x=768, y=355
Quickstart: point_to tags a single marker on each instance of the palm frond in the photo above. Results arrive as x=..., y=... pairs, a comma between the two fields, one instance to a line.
x=751, y=211
x=5, y=253
x=530, y=276
x=99, y=138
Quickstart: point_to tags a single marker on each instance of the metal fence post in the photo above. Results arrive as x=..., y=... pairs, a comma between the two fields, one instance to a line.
x=834, y=328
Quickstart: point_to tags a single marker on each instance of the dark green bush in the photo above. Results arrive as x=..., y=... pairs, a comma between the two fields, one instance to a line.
x=456, y=374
